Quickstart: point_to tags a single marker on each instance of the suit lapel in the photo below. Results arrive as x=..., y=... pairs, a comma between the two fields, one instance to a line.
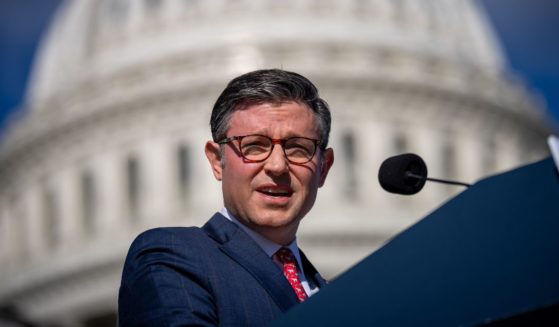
x=310, y=271
x=241, y=248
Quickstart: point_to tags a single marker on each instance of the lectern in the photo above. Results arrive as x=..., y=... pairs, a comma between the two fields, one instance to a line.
x=490, y=256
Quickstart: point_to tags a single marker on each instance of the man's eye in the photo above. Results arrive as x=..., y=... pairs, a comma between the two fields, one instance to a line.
x=297, y=150
x=254, y=148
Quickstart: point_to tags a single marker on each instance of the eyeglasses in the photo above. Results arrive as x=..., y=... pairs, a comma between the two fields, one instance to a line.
x=257, y=148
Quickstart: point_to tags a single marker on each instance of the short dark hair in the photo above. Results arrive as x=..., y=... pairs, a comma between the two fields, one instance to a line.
x=268, y=86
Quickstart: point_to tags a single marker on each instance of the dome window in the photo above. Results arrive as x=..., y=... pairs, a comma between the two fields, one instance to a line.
x=349, y=155
x=88, y=190
x=133, y=185
x=51, y=219
x=183, y=170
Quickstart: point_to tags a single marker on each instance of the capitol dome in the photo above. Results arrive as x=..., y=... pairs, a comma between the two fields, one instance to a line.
x=94, y=40
x=117, y=114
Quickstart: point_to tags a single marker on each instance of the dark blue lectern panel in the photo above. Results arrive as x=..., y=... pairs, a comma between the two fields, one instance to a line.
x=490, y=253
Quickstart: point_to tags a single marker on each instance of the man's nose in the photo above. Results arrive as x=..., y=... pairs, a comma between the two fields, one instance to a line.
x=277, y=163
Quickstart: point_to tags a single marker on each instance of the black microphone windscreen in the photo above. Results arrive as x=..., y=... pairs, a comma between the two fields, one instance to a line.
x=394, y=174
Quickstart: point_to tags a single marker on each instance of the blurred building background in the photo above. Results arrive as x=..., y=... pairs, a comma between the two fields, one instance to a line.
x=118, y=113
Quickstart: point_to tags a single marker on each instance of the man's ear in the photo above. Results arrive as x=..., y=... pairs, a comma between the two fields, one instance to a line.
x=327, y=162
x=213, y=153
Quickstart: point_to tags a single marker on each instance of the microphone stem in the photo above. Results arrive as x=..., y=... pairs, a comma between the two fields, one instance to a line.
x=448, y=182
x=410, y=174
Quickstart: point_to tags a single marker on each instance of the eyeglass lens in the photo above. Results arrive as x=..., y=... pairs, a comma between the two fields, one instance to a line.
x=296, y=149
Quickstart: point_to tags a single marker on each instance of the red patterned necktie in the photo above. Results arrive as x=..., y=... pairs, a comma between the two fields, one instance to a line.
x=287, y=259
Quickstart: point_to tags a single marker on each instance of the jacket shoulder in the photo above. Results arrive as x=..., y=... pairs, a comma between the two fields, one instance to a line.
x=164, y=279
x=168, y=235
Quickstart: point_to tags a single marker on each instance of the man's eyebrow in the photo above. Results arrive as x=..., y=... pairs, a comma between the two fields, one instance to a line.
x=286, y=136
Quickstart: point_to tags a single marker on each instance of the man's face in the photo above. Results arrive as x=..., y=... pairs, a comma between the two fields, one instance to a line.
x=270, y=197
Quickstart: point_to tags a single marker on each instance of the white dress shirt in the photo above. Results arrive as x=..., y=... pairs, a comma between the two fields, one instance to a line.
x=270, y=248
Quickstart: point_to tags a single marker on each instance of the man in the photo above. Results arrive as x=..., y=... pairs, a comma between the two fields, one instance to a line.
x=243, y=267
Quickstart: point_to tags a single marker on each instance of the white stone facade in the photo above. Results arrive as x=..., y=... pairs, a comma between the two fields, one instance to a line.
x=120, y=100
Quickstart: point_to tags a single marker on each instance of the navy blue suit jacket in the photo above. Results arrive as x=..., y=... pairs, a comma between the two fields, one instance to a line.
x=214, y=275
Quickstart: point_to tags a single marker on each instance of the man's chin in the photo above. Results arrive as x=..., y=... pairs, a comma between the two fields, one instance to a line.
x=276, y=217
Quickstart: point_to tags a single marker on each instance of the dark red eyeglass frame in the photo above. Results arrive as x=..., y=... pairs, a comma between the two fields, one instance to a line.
x=239, y=138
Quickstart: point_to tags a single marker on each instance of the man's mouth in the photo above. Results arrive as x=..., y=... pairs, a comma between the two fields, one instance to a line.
x=276, y=191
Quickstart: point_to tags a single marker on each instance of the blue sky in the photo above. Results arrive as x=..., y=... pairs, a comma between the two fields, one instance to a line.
x=22, y=23
x=527, y=29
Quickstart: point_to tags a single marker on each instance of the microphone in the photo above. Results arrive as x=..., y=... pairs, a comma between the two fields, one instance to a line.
x=406, y=174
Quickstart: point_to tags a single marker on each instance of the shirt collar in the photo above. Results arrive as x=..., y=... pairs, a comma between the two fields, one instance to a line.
x=269, y=247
